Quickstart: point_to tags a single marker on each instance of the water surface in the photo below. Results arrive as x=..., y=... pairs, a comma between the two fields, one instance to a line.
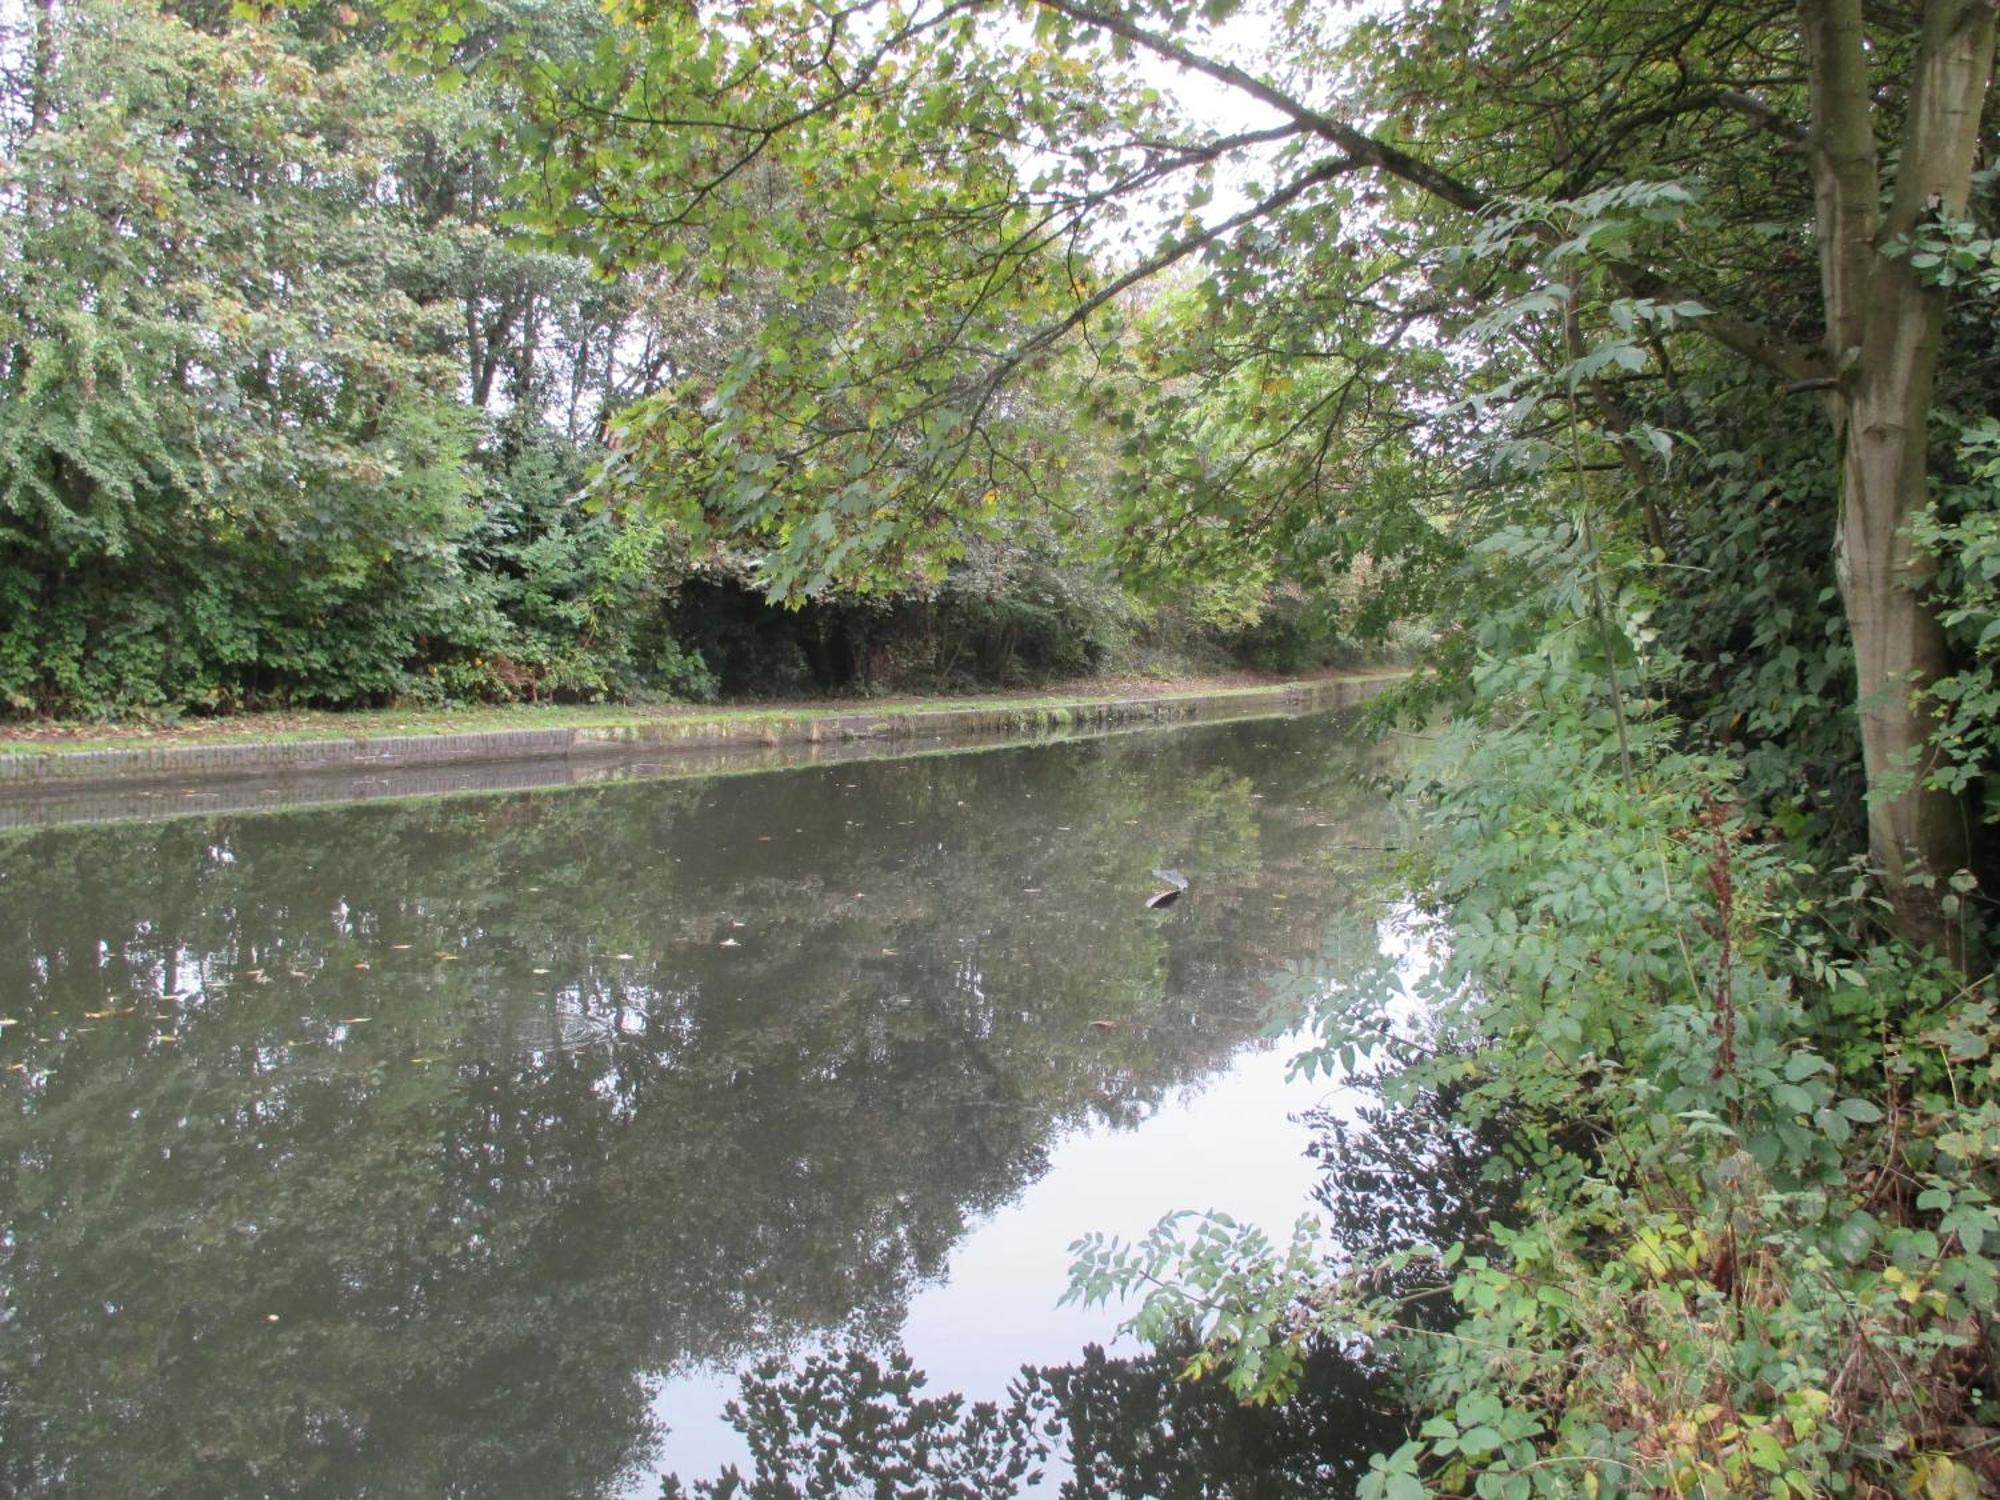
x=466, y=1147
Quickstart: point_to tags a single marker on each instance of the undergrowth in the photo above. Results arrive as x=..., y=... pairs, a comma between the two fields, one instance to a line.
x=1741, y=1236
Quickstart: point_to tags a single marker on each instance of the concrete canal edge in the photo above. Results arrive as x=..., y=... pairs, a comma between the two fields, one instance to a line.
x=32, y=772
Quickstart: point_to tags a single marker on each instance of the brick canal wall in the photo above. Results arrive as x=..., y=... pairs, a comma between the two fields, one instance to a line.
x=40, y=787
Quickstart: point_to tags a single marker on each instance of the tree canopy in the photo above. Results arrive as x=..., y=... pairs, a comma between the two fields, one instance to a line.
x=1449, y=240
x=292, y=410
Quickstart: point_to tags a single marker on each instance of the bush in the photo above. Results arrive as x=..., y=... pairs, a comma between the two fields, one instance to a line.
x=1742, y=1147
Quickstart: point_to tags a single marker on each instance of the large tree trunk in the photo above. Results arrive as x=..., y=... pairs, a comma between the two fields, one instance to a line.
x=1899, y=645
x=1882, y=330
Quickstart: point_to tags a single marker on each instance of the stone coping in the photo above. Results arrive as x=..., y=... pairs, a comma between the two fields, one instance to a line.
x=40, y=788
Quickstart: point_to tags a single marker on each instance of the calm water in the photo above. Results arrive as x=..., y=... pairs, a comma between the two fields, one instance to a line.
x=475, y=1147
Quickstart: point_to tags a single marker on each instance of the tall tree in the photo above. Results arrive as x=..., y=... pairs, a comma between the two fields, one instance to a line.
x=1883, y=319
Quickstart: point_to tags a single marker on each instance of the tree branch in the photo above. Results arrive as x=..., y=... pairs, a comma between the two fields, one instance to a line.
x=1364, y=148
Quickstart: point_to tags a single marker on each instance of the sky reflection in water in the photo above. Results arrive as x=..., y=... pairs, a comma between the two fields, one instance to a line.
x=445, y=1148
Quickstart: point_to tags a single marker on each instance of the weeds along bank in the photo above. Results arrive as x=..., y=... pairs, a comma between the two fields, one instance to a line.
x=1698, y=1165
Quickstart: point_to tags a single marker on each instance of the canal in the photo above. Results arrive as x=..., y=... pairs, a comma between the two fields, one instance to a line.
x=494, y=1145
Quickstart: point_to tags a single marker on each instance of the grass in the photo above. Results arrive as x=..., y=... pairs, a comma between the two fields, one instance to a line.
x=47, y=736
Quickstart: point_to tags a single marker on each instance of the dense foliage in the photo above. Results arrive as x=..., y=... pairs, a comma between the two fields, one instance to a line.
x=288, y=414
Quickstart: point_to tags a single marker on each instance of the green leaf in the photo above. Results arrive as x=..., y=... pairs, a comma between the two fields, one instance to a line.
x=1855, y=1237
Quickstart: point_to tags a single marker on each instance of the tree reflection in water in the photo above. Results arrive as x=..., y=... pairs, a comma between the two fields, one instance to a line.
x=829, y=1427
x=394, y=1150
x=853, y=1425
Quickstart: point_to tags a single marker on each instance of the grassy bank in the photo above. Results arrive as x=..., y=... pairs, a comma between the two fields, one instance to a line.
x=39, y=736
x=279, y=747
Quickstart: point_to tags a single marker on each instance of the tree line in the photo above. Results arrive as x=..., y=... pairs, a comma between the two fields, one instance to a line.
x=295, y=410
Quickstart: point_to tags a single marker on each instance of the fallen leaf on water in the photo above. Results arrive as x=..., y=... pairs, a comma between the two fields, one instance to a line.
x=1103, y=1025
x=1162, y=898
